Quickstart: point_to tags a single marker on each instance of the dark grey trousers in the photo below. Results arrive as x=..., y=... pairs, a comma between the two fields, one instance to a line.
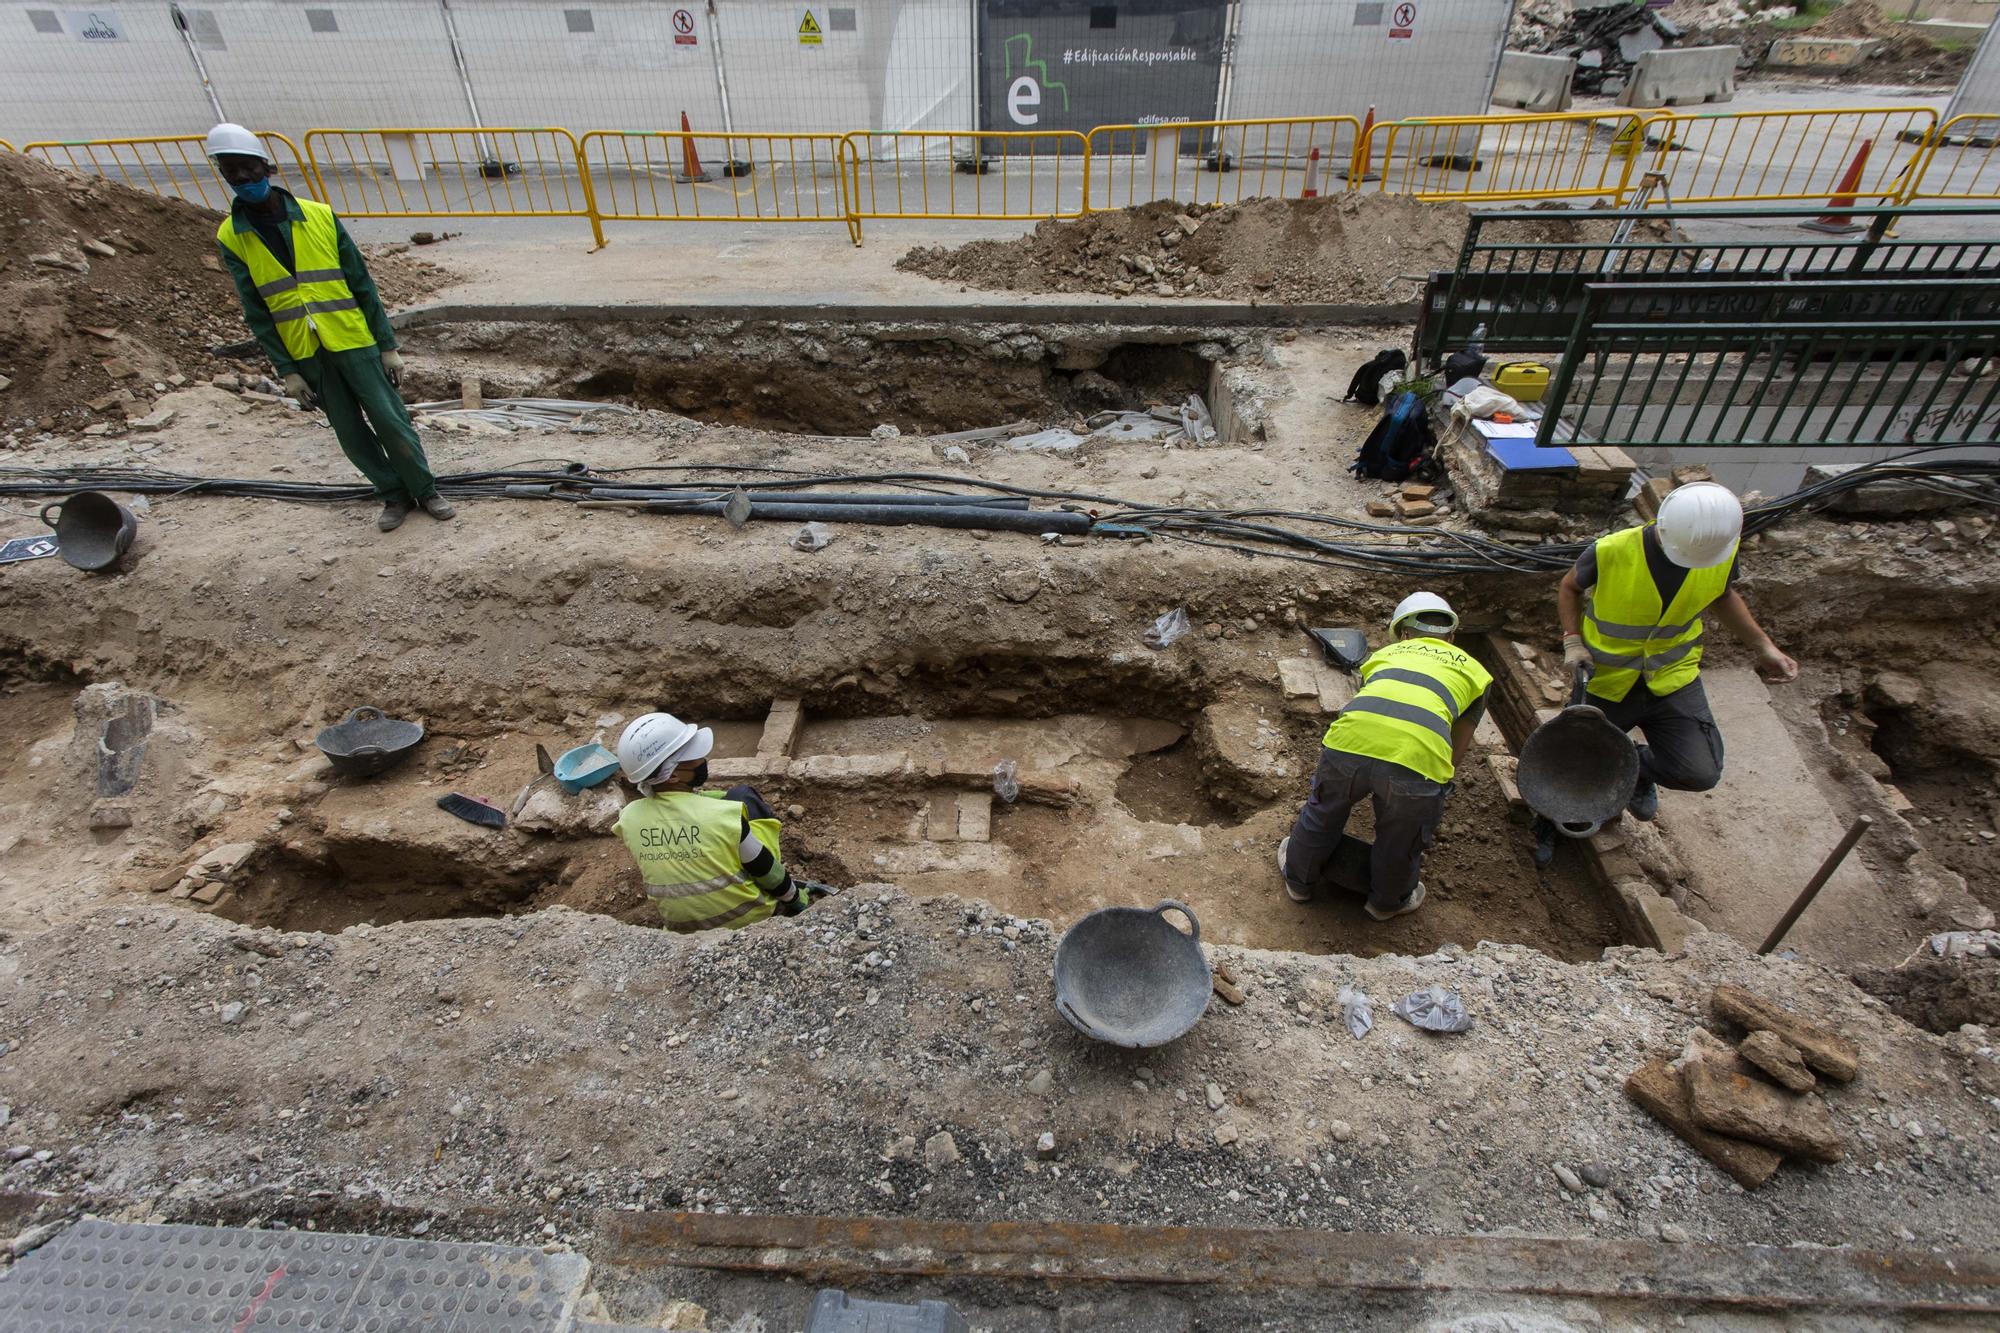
x=1407, y=809
x=1683, y=749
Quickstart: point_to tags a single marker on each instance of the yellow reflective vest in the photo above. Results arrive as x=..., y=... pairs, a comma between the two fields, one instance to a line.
x=1412, y=694
x=1630, y=634
x=312, y=306
x=688, y=846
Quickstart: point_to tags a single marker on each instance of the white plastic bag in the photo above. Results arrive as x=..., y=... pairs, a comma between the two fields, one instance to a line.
x=1484, y=401
x=1166, y=630
x=1007, y=780
x=1355, y=1008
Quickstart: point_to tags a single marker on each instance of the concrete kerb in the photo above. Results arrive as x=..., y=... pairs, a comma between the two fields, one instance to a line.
x=1111, y=312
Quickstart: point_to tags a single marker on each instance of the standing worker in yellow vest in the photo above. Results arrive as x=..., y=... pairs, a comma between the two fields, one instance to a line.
x=708, y=858
x=309, y=300
x=1397, y=742
x=1631, y=616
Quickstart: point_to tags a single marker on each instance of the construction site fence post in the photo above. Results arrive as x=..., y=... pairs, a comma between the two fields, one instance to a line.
x=715, y=176
x=452, y=172
x=1726, y=157
x=1488, y=159
x=1003, y=173
x=1960, y=160
x=173, y=166
x=1216, y=162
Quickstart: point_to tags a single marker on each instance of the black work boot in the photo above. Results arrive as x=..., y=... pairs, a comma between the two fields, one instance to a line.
x=438, y=507
x=1545, y=840
x=392, y=515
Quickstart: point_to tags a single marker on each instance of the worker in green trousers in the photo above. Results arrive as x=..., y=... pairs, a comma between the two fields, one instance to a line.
x=309, y=299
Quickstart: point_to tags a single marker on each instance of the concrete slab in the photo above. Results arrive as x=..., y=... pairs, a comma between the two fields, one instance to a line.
x=1753, y=842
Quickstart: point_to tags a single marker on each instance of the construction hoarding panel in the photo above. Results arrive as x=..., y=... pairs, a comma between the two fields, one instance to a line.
x=59, y=81
x=1979, y=91
x=1340, y=57
x=1067, y=65
x=633, y=64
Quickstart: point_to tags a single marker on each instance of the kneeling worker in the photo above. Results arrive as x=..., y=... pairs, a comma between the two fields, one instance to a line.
x=1397, y=742
x=1631, y=612
x=708, y=859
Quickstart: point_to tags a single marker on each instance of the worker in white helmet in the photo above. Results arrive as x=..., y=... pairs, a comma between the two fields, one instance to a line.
x=1398, y=742
x=1631, y=612
x=312, y=306
x=708, y=858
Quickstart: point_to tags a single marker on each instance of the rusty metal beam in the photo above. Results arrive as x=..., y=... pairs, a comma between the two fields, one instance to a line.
x=849, y=1250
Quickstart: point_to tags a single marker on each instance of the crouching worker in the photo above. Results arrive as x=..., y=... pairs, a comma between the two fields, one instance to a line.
x=1397, y=742
x=709, y=859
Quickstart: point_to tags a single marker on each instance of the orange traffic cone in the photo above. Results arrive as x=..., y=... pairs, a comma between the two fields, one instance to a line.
x=1357, y=171
x=1312, y=176
x=691, y=169
x=1837, y=223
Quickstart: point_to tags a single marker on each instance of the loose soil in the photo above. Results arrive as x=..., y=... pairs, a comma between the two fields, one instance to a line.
x=1938, y=994
x=160, y=304
x=1340, y=248
x=1905, y=58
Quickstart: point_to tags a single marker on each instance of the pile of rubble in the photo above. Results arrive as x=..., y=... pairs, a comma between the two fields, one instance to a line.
x=1605, y=40
x=1749, y=1106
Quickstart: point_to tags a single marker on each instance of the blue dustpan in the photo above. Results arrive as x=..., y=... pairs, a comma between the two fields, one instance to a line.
x=585, y=766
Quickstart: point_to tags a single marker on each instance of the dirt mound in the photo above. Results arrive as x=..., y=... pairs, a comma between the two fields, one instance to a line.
x=1856, y=18
x=1345, y=247
x=1936, y=994
x=111, y=290
x=1904, y=56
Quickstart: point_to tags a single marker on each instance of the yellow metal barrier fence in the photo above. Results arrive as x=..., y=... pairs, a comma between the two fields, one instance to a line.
x=174, y=165
x=1567, y=155
x=1753, y=156
x=1219, y=161
x=671, y=176
x=1012, y=174
x=6, y=147
x=452, y=173
x=1962, y=161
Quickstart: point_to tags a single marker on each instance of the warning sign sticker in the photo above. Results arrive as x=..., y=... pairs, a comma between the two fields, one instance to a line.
x=1403, y=22
x=809, y=34
x=684, y=28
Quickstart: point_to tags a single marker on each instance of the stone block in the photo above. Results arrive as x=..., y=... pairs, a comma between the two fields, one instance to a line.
x=941, y=819
x=1658, y=1090
x=1336, y=687
x=1779, y=1059
x=746, y=768
x=974, y=816
x=851, y=770
x=1297, y=679
x=1728, y=1102
x=1504, y=767
x=1659, y=922
x=781, y=728
x=1827, y=1052
x=209, y=894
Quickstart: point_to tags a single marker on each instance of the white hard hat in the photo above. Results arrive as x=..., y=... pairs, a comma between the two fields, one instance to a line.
x=236, y=141
x=1428, y=605
x=1699, y=524
x=658, y=742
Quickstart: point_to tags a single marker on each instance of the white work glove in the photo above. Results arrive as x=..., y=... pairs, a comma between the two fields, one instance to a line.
x=392, y=366
x=1576, y=657
x=296, y=386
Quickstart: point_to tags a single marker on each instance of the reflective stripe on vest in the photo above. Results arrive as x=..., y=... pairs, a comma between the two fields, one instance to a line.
x=1630, y=635
x=1412, y=692
x=689, y=850
x=313, y=306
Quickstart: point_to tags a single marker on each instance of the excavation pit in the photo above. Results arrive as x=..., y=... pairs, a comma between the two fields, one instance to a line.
x=846, y=378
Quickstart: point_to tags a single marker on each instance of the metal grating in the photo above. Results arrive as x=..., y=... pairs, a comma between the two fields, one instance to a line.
x=182, y=1279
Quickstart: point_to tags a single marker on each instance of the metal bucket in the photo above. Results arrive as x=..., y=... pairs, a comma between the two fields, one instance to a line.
x=1127, y=976
x=93, y=530
x=1578, y=770
x=367, y=741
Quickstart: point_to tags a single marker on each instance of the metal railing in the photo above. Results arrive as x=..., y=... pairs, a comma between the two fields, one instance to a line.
x=1017, y=174
x=1737, y=156
x=1219, y=161
x=1961, y=161
x=1831, y=364
x=452, y=173
x=1568, y=155
x=173, y=165
x=1528, y=292
x=675, y=176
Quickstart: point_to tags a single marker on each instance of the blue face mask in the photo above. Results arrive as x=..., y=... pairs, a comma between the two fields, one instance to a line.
x=256, y=192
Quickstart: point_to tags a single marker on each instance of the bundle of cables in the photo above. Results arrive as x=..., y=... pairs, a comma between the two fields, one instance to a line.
x=1968, y=473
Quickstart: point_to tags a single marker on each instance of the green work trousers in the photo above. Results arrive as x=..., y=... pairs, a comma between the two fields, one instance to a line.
x=371, y=423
